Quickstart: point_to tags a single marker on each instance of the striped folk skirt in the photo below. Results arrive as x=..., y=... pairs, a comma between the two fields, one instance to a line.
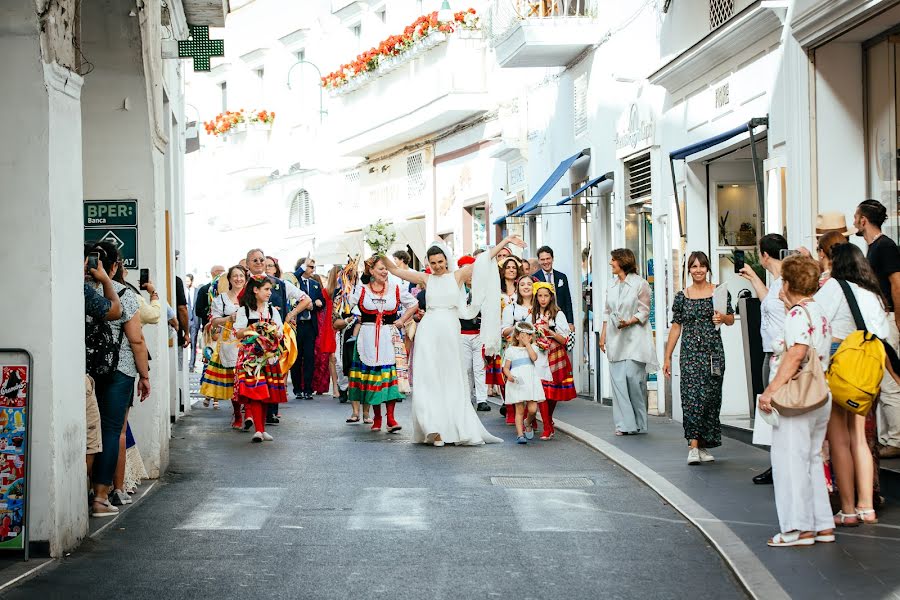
x=267, y=386
x=401, y=360
x=562, y=386
x=372, y=385
x=493, y=370
x=217, y=381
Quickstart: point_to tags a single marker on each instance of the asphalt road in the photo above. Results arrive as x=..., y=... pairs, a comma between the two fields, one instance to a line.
x=335, y=511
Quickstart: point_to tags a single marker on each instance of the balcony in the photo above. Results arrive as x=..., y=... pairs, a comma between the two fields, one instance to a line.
x=243, y=154
x=441, y=82
x=542, y=33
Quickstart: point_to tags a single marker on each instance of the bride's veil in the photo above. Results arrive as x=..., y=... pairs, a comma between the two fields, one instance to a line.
x=448, y=253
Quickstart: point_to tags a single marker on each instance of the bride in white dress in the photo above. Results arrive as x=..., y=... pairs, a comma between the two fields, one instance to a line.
x=441, y=408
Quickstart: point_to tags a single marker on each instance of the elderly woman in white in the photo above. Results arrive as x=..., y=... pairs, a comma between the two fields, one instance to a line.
x=628, y=344
x=801, y=499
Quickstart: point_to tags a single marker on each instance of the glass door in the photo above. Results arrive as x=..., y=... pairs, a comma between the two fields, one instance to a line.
x=881, y=127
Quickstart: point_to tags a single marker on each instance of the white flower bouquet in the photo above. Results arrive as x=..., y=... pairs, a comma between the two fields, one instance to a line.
x=380, y=236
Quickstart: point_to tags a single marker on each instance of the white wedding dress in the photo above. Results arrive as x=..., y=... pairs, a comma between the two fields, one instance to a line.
x=440, y=402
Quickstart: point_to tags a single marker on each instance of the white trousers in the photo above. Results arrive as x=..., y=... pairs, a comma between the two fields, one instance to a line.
x=473, y=362
x=888, y=411
x=801, y=497
x=629, y=395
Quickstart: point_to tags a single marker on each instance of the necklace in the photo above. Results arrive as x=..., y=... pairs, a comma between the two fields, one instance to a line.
x=378, y=293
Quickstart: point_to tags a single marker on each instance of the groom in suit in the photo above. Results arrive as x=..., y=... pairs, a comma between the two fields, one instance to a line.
x=557, y=278
x=307, y=330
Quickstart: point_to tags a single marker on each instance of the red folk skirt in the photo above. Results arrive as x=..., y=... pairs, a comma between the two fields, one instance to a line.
x=562, y=386
x=268, y=386
x=493, y=370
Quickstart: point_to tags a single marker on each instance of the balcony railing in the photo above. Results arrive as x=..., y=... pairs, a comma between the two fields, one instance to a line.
x=427, y=90
x=540, y=33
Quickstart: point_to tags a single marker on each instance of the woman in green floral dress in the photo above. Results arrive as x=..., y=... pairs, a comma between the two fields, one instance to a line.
x=702, y=359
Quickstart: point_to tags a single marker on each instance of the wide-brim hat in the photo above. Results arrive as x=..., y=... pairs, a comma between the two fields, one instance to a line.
x=833, y=221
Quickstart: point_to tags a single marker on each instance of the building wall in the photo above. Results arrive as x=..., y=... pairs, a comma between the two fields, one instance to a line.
x=41, y=240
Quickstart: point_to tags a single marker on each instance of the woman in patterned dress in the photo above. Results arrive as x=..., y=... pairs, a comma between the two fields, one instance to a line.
x=373, y=372
x=551, y=321
x=702, y=359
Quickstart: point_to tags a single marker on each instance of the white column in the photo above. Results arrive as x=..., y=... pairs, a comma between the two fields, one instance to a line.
x=40, y=239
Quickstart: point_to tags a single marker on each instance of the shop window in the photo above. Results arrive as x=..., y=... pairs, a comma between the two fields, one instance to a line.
x=479, y=226
x=736, y=205
x=638, y=212
x=415, y=178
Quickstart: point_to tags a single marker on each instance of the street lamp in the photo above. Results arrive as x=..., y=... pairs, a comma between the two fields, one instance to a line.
x=322, y=111
x=445, y=14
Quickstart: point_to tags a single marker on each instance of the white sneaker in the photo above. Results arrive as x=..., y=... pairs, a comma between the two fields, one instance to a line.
x=257, y=438
x=693, y=456
x=266, y=437
x=706, y=456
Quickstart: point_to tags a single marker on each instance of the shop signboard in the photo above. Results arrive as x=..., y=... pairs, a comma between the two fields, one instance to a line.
x=113, y=221
x=15, y=444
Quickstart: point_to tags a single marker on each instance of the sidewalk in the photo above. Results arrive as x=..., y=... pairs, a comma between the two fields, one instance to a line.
x=738, y=516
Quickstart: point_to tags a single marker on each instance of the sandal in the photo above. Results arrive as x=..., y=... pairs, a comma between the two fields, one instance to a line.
x=792, y=538
x=215, y=405
x=861, y=516
x=353, y=419
x=841, y=519
x=824, y=538
x=368, y=421
x=206, y=402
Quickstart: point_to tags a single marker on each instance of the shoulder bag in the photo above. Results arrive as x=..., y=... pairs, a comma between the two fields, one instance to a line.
x=807, y=390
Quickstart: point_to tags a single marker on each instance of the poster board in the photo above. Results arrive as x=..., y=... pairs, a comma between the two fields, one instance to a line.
x=16, y=373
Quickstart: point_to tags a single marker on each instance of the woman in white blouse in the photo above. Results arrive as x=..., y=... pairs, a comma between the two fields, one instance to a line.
x=628, y=344
x=520, y=310
x=854, y=470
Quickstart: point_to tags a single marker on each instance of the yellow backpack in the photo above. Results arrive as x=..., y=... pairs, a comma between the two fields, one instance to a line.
x=856, y=369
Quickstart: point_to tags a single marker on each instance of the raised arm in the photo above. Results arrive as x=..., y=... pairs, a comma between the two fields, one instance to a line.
x=463, y=273
x=404, y=274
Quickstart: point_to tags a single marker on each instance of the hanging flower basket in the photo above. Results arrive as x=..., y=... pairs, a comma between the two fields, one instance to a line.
x=236, y=121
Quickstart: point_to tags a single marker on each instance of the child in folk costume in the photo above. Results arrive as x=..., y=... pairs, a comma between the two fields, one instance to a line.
x=258, y=379
x=550, y=320
x=524, y=365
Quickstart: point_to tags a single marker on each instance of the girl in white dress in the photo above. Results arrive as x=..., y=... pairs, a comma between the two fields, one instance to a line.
x=441, y=409
x=524, y=366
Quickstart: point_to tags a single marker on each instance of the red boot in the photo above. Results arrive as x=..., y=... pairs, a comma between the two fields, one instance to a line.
x=547, y=431
x=393, y=427
x=376, y=414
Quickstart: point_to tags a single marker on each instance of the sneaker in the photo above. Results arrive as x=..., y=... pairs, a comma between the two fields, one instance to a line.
x=706, y=456
x=102, y=508
x=266, y=437
x=483, y=407
x=257, y=438
x=119, y=498
x=693, y=456
x=521, y=440
x=248, y=424
x=273, y=421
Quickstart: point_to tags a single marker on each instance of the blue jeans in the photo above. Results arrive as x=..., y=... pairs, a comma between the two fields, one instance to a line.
x=114, y=394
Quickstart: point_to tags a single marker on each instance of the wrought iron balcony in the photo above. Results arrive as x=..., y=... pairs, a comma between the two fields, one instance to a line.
x=541, y=33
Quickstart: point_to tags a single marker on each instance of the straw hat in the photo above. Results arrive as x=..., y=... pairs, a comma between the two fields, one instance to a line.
x=833, y=221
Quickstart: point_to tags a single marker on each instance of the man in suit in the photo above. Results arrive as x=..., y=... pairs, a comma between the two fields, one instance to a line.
x=307, y=330
x=558, y=279
x=193, y=321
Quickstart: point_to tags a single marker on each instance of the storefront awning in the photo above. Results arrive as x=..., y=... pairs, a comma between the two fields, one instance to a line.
x=548, y=185
x=683, y=153
x=412, y=234
x=582, y=189
x=335, y=250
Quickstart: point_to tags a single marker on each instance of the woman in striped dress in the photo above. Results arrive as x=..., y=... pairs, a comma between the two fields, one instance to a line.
x=373, y=372
x=547, y=316
x=218, y=376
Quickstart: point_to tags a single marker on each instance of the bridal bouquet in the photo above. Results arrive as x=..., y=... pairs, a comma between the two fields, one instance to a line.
x=380, y=237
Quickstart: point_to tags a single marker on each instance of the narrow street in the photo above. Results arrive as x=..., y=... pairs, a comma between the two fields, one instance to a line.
x=335, y=511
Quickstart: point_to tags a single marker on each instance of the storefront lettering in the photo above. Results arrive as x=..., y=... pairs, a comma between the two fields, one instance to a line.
x=638, y=130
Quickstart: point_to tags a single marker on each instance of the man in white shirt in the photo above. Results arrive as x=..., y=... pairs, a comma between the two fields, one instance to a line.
x=771, y=249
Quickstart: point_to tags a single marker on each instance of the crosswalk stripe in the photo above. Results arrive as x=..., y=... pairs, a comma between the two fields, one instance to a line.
x=234, y=509
x=390, y=509
x=557, y=510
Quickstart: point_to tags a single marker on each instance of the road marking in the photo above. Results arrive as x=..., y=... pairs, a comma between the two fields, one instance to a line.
x=557, y=510
x=234, y=509
x=390, y=509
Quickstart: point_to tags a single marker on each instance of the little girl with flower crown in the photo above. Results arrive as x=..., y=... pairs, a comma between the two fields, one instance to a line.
x=524, y=366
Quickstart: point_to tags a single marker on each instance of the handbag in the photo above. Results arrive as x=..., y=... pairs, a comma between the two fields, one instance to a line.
x=807, y=390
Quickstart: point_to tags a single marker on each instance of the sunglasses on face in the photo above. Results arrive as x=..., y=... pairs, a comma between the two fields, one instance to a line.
x=257, y=260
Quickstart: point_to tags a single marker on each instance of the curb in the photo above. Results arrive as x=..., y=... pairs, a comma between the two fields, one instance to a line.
x=751, y=574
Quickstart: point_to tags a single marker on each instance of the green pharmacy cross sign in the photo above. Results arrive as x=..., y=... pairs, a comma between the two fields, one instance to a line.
x=199, y=47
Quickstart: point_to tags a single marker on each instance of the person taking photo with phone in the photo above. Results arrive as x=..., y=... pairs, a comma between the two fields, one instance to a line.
x=772, y=250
